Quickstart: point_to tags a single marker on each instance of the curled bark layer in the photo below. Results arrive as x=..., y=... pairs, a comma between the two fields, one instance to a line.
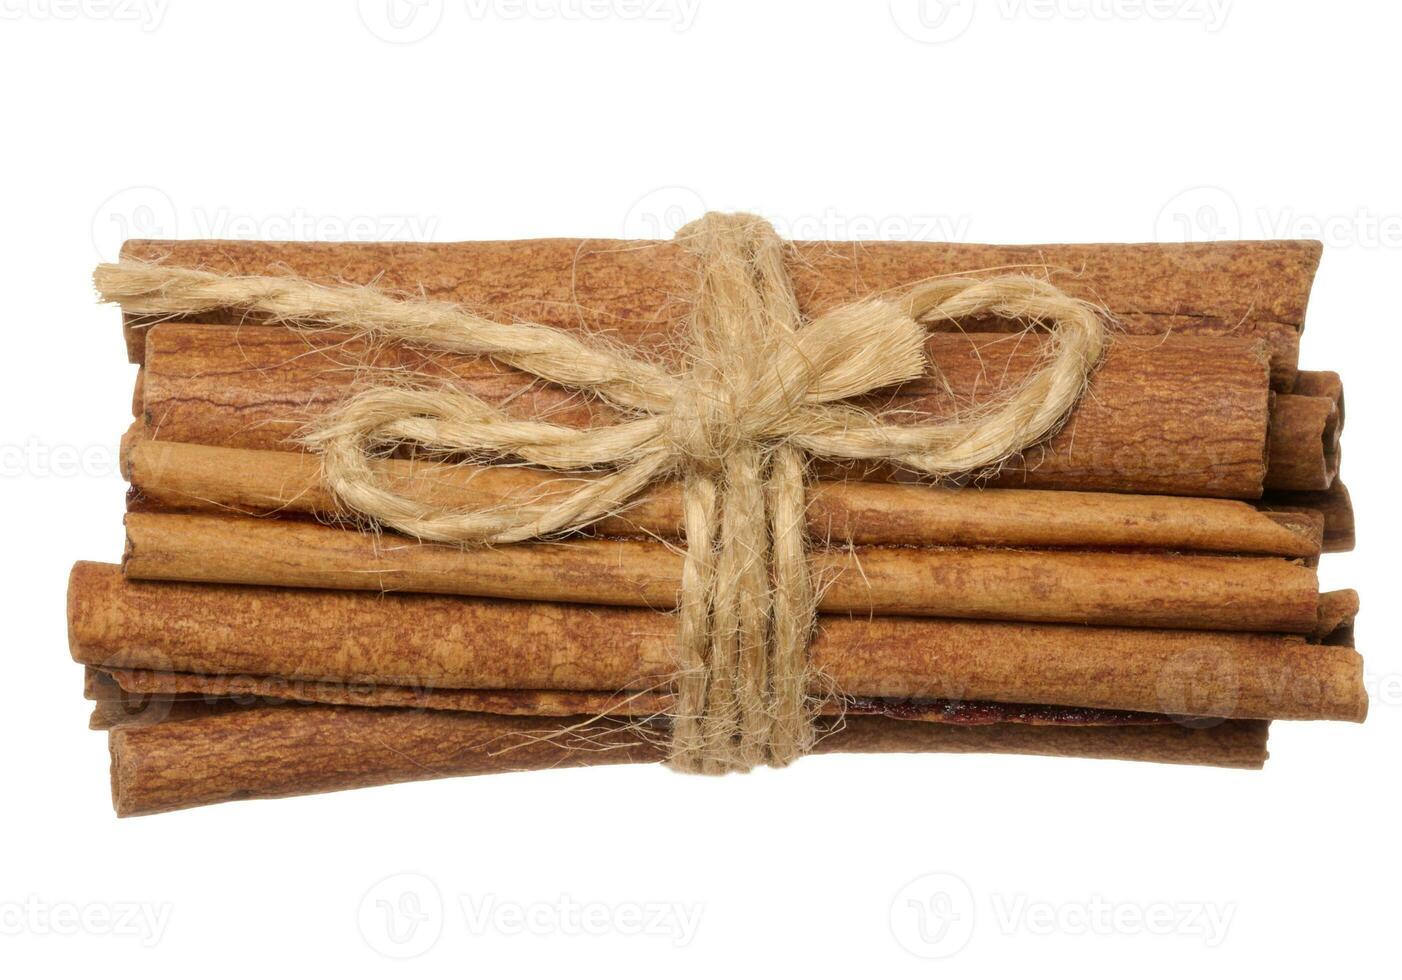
x=1092, y=587
x=1173, y=415
x=261, y=752
x=450, y=642
x=637, y=290
x=171, y=476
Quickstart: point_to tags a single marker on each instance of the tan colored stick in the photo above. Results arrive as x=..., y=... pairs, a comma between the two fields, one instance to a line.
x=149, y=692
x=1334, y=506
x=114, y=707
x=450, y=642
x=127, y=696
x=639, y=291
x=1298, y=421
x=1098, y=588
x=292, y=750
x=183, y=476
x=1162, y=415
x=1321, y=384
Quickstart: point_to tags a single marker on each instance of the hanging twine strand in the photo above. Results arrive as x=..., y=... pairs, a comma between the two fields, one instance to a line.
x=760, y=393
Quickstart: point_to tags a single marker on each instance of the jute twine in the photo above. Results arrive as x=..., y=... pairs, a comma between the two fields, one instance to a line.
x=760, y=394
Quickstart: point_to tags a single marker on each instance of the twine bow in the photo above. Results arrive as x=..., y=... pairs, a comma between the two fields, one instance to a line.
x=761, y=392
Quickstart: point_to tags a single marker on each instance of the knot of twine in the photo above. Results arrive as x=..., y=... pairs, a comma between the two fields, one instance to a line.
x=760, y=394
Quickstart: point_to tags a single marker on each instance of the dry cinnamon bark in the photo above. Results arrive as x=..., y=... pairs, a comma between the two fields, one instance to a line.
x=1177, y=415
x=1099, y=588
x=1321, y=384
x=170, y=476
x=262, y=752
x=638, y=290
x=1303, y=420
x=139, y=690
x=1334, y=506
x=114, y=707
x=440, y=642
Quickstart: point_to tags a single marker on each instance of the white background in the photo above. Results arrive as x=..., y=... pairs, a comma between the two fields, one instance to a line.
x=1009, y=121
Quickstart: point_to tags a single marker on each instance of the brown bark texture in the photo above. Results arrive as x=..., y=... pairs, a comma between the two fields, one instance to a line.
x=638, y=291
x=418, y=640
x=1090, y=587
x=289, y=750
x=184, y=477
x=1174, y=415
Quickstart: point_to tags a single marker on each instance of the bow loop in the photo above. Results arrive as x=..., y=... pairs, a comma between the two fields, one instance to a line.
x=854, y=350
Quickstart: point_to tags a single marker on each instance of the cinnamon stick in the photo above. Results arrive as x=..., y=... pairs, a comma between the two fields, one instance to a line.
x=441, y=642
x=264, y=752
x=1303, y=420
x=638, y=291
x=1321, y=384
x=142, y=688
x=115, y=707
x=170, y=476
x=1099, y=588
x=1334, y=506
x=1174, y=415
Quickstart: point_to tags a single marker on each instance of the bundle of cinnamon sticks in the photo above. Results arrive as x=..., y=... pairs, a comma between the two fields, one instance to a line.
x=1139, y=586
